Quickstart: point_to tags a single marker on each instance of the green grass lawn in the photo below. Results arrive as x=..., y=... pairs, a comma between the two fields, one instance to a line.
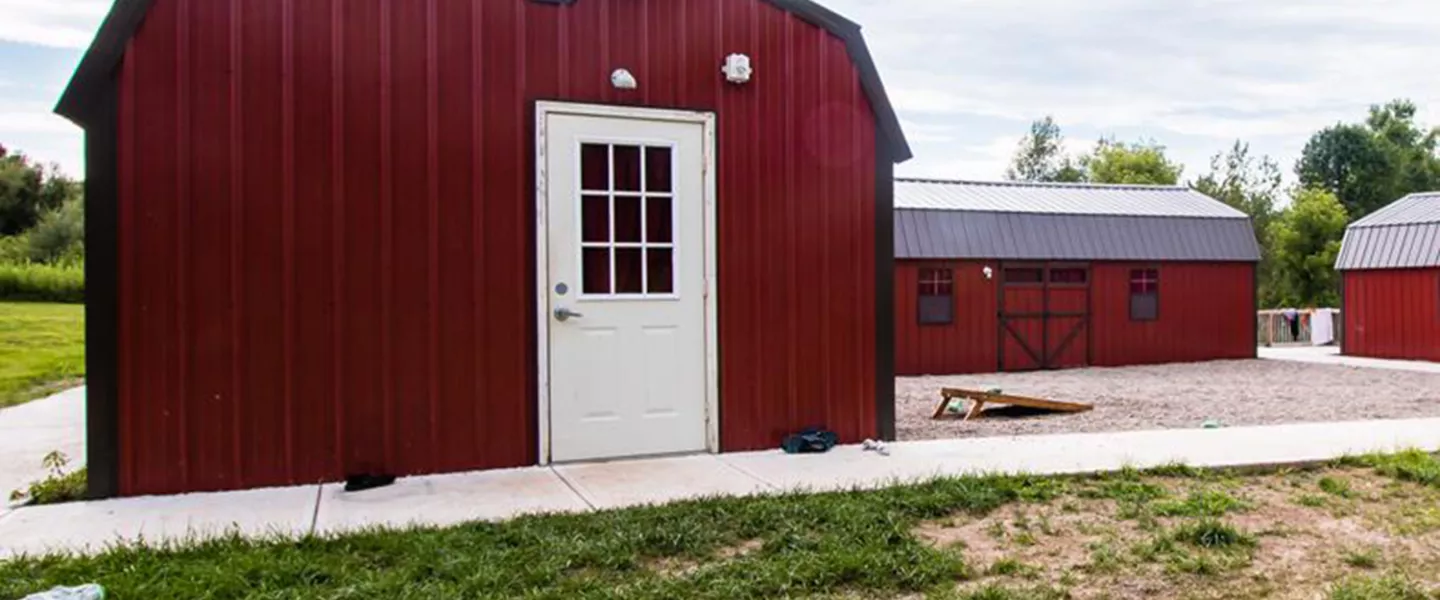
x=1365, y=528
x=42, y=350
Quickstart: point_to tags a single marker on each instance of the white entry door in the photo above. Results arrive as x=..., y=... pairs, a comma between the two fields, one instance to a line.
x=625, y=286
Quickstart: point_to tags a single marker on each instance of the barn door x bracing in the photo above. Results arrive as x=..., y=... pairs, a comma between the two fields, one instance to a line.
x=1044, y=316
x=626, y=282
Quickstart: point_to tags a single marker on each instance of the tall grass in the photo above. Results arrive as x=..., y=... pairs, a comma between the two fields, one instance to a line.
x=33, y=282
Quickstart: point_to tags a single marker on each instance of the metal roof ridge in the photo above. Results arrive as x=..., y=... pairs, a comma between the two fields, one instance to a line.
x=1046, y=184
x=1235, y=217
x=1404, y=203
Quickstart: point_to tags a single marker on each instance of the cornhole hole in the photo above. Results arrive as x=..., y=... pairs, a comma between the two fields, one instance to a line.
x=979, y=399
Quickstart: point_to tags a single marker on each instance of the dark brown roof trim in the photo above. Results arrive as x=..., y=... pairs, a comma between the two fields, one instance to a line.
x=79, y=102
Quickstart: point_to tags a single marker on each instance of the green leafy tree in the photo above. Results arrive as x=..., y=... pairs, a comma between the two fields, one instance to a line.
x=1368, y=165
x=1251, y=185
x=59, y=237
x=1041, y=156
x=1137, y=163
x=28, y=191
x=1351, y=163
x=1306, y=241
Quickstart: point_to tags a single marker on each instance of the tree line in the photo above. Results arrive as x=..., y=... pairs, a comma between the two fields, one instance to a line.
x=42, y=215
x=1346, y=171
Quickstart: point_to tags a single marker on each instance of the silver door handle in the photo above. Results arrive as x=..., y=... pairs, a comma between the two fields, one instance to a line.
x=563, y=314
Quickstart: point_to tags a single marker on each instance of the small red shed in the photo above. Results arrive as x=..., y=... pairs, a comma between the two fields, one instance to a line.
x=1026, y=276
x=1390, y=267
x=338, y=237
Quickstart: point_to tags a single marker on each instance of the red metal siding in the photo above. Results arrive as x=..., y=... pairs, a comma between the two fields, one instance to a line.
x=968, y=345
x=1393, y=314
x=1207, y=312
x=326, y=212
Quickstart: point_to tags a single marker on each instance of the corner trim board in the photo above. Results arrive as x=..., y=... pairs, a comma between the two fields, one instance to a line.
x=102, y=298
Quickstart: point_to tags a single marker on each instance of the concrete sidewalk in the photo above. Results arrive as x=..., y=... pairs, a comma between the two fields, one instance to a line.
x=450, y=499
x=1330, y=355
x=30, y=431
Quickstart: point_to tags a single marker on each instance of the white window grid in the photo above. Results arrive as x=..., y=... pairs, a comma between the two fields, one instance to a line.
x=644, y=245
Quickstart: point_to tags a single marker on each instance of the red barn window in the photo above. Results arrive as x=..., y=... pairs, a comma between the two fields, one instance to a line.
x=1144, y=294
x=937, y=297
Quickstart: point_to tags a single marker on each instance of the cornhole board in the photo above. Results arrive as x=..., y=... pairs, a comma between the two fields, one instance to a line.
x=978, y=400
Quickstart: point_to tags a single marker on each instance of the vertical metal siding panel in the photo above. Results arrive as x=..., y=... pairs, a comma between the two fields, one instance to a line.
x=262, y=261
x=361, y=353
x=584, y=36
x=155, y=432
x=385, y=292
x=907, y=357
x=735, y=226
x=183, y=195
x=807, y=229
x=409, y=203
x=432, y=159
x=508, y=204
x=770, y=412
x=459, y=298
x=209, y=399
x=287, y=228
x=237, y=240
x=662, y=62
x=312, y=366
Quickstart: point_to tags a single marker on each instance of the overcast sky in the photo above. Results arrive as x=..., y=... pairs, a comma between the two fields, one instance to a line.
x=968, y=76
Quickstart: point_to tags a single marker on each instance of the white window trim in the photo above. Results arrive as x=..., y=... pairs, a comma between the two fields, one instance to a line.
x=543, y=110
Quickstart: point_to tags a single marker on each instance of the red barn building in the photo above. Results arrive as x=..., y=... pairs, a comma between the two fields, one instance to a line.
x=1024, y=276
x=1390, y=267
x=344, y=237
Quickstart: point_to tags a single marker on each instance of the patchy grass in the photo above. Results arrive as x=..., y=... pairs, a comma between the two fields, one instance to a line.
x=1336, y=486
x=1368, y=558
x=1389, y=587
x=1203, y=535
x=1201, y=503
x=42, y=350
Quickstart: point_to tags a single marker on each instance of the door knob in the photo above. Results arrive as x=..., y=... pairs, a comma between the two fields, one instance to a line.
x=563, y=314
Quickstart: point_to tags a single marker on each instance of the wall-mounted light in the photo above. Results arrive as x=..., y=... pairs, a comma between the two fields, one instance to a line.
x=989, y=273
x=737, y=69
x=623, y=80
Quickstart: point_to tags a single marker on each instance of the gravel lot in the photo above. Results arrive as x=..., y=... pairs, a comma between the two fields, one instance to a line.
x=1247, y=392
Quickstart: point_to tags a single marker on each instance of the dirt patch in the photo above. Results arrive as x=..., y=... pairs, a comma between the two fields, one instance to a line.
x=681, y=567
x=1098, y=547
x=1179, y=396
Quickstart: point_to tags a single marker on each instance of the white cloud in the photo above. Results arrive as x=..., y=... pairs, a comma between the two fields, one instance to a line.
x=34, y=122
x=52, y=23
x=1192, y=74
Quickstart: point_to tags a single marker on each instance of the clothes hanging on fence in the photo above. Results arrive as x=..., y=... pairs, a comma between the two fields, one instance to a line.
x=1292, y=316
x=1322, y=327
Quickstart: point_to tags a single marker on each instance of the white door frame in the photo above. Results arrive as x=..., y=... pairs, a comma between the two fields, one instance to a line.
x=543, y=110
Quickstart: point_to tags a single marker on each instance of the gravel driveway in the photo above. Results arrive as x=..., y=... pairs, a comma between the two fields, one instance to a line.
x=1246, y=392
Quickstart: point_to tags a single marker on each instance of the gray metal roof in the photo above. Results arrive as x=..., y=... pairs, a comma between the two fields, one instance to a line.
x=1006, y=221
x=1060, y=198
x=1404, y=235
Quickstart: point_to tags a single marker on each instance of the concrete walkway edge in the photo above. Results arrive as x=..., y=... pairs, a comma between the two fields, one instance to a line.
x=443, y=500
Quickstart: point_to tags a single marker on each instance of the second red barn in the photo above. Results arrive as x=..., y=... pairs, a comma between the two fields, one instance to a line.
x=1390, y=263
x=1023, y=276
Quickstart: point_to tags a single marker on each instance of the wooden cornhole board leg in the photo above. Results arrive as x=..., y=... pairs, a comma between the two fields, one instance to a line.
x=978, y=400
